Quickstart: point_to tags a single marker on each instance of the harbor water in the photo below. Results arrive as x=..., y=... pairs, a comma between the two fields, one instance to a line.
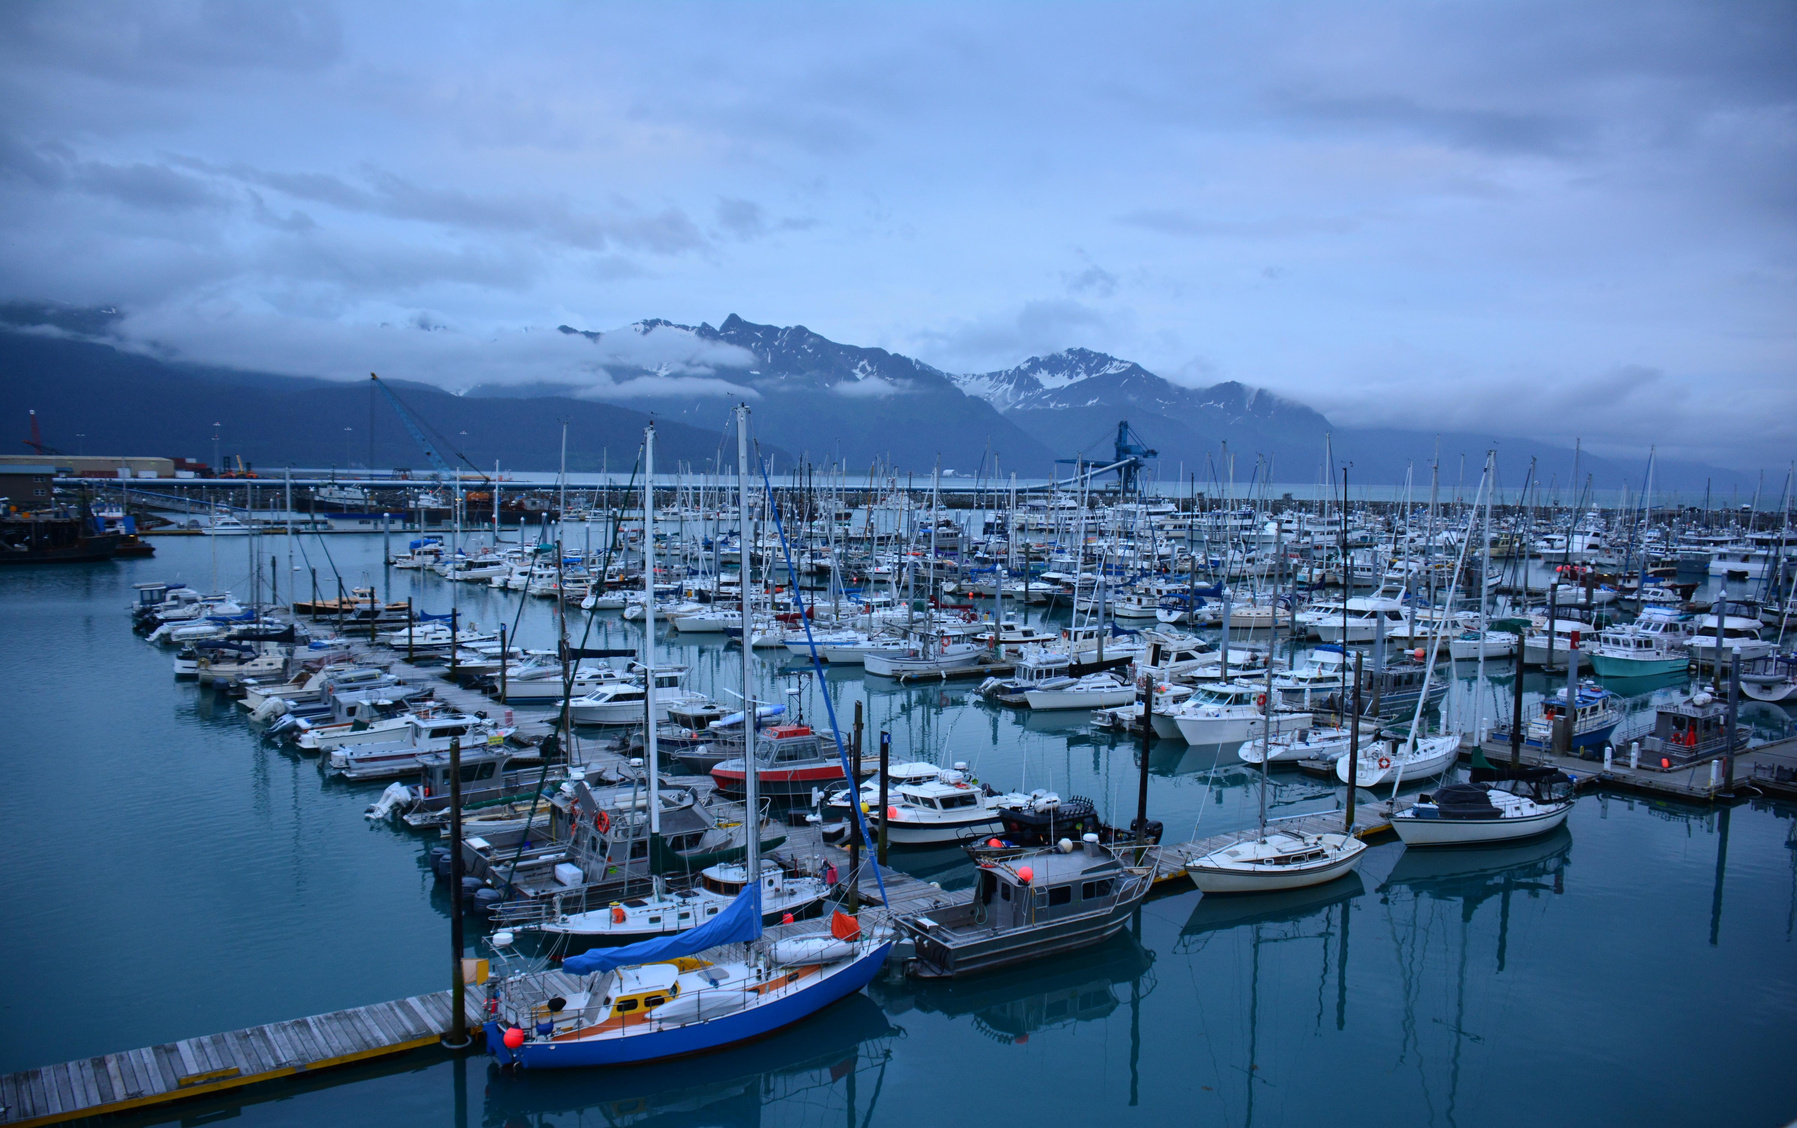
x=168, y=873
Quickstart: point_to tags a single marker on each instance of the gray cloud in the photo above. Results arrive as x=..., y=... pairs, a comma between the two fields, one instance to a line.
x=1430, y=215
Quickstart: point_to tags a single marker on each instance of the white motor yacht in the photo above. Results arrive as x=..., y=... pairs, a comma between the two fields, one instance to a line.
x=1093, y=691
x=1226, y=714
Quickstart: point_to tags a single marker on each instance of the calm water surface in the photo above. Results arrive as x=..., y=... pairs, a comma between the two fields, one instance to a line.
x=168, y=874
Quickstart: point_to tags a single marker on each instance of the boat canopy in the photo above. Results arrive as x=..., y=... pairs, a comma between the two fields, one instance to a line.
x=738, y=924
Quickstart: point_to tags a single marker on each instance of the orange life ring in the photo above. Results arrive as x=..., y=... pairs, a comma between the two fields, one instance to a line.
x=1384, y=762
x=1260, y=699
x=601, y=822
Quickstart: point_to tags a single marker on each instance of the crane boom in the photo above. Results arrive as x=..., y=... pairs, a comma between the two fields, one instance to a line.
x=430, y=449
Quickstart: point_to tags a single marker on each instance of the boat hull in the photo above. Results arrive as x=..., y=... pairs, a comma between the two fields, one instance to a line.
x=695, y=1037
x=1470, y=832
x=1211, y=880
x=1607, y=666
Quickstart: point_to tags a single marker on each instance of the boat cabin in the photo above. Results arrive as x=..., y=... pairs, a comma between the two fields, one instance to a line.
x=1687, y=732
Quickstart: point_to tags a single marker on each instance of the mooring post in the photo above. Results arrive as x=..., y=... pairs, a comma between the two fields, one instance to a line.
x=885, y=766
x=504, y=662
x=1353, y=741
x=1516, y=707
x=457, y=1038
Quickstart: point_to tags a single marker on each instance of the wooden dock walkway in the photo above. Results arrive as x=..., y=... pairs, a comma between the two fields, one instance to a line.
x=1690, y=784
x=193, y=1067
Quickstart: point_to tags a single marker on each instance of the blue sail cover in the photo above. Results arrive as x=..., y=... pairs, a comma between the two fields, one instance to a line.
x=427, y=617
x=738, y=924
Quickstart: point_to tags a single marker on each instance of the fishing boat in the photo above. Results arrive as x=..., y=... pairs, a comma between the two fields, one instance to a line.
x=1597, y=712
x=1036, y=904
x=790, y=760
x=1498, y=805
x=930, y=654
x=1625, y=652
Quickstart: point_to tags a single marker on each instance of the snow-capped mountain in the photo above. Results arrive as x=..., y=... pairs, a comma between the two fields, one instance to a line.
x=1072, y=401
x=809, y=394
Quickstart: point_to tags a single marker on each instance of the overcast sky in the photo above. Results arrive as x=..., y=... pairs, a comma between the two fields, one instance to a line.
x=1539, y=219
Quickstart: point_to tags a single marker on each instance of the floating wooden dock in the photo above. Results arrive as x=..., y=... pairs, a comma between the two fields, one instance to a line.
x=1690, y=784
x=194, y=1067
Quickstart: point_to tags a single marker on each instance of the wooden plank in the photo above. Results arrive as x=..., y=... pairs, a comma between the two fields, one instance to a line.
x=87, y=1089
x=191, y=1062
x=407, y=1019
x=327, y=1046
x=262, y=1038
x=387, y=1018
x=425, y=1017
x=9, y=1097
x=134, y=1083
x=36, y=1101
x=306, y=1042
x=58, y=1075
x=222, y=1049
x=149, y=1078
x=334, y=1043
x=365, y=1028
x=247, y=1054
x=168, y=1066
x=352, y=1024
x=115, y=1076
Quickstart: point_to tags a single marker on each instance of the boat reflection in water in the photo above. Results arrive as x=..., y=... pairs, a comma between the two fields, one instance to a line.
x=823, y=1061
x=1473, y=875
x=1013, y=1004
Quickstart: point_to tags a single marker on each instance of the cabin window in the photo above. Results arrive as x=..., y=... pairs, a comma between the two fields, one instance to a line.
x=1060, y=895
x=625, y=1006
x=639, y=848
x=1004, y=892
x=1092, y=890
x=655, y=1000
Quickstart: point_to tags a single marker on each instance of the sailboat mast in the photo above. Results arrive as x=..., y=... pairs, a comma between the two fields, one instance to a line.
x=649, y=629
x=751, y=785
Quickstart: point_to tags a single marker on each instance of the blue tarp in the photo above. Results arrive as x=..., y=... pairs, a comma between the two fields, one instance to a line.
x=427, y=617
x=421, y=542
x=243, y=618
x=738, y=924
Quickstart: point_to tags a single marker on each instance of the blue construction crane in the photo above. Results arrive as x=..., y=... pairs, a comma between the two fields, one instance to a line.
x=430, y=449
x=1129, y=459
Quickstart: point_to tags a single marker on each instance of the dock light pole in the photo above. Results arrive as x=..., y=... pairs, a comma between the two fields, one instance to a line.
x=457, y=1038
x=885, y=773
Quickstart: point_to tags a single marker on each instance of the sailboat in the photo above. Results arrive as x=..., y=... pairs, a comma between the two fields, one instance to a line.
x=716, y=985
x=1266, y=860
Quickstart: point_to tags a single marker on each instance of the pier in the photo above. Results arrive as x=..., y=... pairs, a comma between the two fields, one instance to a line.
x=191, y=1067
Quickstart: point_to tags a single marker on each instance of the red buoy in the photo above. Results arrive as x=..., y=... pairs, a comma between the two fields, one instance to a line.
x=1026, y=875
x=514, y=1037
